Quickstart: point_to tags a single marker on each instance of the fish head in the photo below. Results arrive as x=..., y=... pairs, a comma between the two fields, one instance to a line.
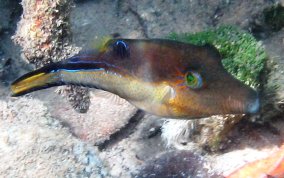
x=175, y=79
x=200, y=85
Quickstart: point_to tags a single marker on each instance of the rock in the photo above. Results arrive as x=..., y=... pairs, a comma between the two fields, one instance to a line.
x=43, y=31
x=40, y=146
x=79, y=97
x=4, y=66
x=104, y=118
x=274, y=87
x=5, y=14
x=160, y=17
x=96, y=20
x=207, y=133
x=128, y=152
x=242, y=13
x=175, y=164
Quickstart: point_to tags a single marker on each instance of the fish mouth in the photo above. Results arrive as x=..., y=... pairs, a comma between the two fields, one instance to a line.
x=243, y=104
x=253, y=105
x=57, y=74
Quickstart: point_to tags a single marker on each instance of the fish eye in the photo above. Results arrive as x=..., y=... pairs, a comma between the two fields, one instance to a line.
x=121, y=48
x=193, y=80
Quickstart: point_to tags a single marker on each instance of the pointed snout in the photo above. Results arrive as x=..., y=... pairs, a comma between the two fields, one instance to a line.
x=244, y=100
x=253, y=104
x=240, y=98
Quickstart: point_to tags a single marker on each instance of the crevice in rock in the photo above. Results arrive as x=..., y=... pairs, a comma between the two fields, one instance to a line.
x=124, y=132
x=269, y=21
x=217, y=14
x=123, y=7
x=141, y=22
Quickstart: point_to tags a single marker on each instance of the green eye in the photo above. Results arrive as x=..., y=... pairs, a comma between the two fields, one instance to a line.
x=193, y=80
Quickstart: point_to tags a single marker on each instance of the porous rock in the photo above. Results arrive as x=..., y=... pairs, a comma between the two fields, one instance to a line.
x=274, y=87
x=44, y=35
x=5, y=14
x=207, y=133
x=40, y=146
x=104, y=117
x=175, y=164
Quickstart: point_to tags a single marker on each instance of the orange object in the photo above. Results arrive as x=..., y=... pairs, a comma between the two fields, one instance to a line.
x=270, y=167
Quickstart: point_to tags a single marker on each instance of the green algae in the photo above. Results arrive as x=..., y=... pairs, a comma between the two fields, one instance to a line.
x=243, y=56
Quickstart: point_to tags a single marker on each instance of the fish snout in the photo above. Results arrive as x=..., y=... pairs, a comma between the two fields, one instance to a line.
x=253, y=104
x=243, y=100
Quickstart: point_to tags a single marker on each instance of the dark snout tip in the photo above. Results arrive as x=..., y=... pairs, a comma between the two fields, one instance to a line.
x=253, y=105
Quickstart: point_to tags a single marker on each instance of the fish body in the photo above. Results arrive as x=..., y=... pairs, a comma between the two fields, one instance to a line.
x=163, y=77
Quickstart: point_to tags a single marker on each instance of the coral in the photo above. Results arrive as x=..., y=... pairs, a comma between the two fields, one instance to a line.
x=79, y=97
x=243, y=56
x=43, y=30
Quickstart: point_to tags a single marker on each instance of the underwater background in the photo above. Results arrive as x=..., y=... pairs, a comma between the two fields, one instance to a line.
x=72, y=131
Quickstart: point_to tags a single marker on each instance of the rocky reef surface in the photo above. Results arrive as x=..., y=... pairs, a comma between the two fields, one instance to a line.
x=42, y=135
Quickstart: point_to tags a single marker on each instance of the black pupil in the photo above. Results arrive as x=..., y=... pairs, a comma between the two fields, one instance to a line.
x=121, y=49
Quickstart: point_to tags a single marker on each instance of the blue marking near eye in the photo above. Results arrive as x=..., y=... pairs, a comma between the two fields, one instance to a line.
x=199, y=78
x=121, y=49
x=119, y=42
x=193, y=80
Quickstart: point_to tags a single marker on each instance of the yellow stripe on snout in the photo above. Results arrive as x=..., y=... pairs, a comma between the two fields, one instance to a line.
x=26, y=84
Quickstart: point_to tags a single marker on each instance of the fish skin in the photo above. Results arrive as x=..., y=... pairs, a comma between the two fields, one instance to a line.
x=150, y=74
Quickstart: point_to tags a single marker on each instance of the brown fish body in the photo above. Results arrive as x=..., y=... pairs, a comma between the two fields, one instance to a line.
x=163, y=77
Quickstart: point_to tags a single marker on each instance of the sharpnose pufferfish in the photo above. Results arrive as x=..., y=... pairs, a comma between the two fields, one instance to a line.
x=163, y=77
